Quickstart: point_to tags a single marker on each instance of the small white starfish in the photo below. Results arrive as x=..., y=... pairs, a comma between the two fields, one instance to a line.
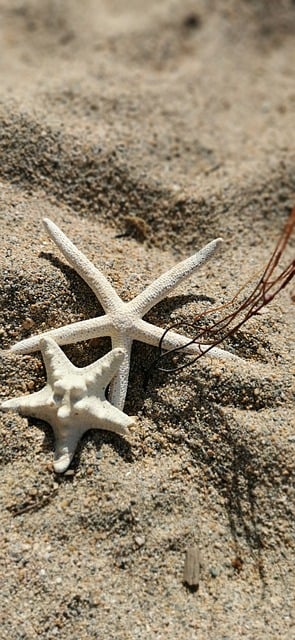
x=123, y=320
x=73, y=400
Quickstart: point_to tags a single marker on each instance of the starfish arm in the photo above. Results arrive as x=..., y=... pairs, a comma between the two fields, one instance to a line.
x=106, y=416
x=103, y=290
x=105, y=368
x=151, y=334
x=76, y=332
x=119, y=384
x=169, y=280
x=65, y=447
x=55, y=360
x=33, y=405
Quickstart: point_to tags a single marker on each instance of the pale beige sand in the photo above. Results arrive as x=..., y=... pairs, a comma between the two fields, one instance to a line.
x=182, y=114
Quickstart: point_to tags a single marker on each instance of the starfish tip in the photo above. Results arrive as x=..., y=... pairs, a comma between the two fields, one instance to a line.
x=6, y=405
x=62, y=463
x=122, y=430
x=132, y=424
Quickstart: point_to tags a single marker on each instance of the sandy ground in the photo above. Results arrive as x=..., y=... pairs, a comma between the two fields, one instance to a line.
x=145, y=130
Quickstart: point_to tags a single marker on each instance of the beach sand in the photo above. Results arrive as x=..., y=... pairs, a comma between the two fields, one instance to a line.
x=145, y=130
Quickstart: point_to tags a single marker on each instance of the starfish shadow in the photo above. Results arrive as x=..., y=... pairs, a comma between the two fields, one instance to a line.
x=245, y=345
x=144, y=356
x=77, y=284
x=145, y=377
x=237, y=465
x=169, y=304
x=166, y=306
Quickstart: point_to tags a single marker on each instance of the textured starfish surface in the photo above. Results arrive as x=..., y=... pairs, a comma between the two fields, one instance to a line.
x=123, y=320
x=73, y=400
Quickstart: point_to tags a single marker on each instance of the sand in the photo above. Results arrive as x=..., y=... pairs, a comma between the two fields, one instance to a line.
x=145, y=130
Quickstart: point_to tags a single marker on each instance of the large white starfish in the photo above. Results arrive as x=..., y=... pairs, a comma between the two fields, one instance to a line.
x=123, y=320
x=73, y=400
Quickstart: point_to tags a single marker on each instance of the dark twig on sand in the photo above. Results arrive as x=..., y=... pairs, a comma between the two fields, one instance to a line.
x=267, y=288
